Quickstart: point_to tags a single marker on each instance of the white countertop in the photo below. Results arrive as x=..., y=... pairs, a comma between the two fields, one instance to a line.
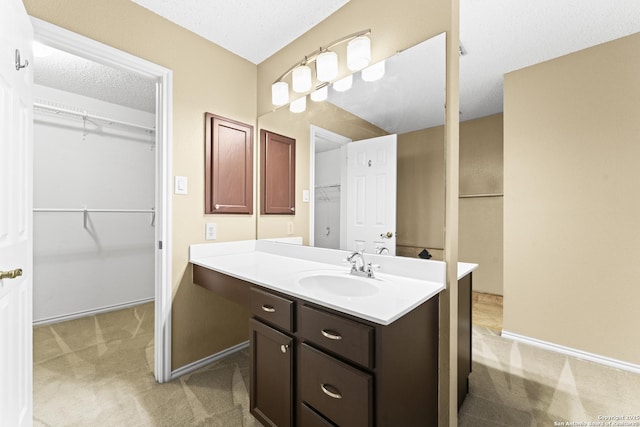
x=401, y=284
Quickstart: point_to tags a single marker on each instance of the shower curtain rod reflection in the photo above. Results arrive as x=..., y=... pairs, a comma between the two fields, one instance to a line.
x=86, y=211
x=85, y=115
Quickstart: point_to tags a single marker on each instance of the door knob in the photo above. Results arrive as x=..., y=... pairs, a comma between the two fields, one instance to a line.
x=12, y=274
x=386, y=235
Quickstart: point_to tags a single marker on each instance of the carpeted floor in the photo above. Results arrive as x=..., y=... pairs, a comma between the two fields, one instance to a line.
x=515, y=384
x=97, y=371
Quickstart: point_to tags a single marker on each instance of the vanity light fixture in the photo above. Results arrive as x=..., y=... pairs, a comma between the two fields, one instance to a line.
x=320, y=94
x=298, y=105
x=326, y=65
x=373, y=72
x=344, y=84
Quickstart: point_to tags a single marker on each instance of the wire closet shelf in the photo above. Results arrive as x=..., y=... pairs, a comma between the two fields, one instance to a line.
x=44, y=106
x=87, y=211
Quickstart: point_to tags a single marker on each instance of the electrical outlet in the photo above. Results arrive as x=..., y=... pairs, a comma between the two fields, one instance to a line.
x=290, y=227
x=305, y=196
x=211, y=231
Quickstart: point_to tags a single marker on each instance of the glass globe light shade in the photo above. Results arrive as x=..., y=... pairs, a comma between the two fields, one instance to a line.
x=280, y=93
x=301, y=79
x=299, y=105
x=327, y=66
x=320, y=95
x=373, y=72
x=343, y=84
x=358, y=53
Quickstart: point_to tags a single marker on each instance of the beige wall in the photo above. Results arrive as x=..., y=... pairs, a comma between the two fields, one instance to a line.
x=420, y=207
x=421, y=185
x=480, y=222
x=206, y=78
x=571, y=235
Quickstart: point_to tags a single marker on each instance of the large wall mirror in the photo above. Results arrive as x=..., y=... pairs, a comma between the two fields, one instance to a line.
x=406, y=106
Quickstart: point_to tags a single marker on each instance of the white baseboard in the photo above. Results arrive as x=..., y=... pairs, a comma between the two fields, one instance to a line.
x=607, y=361
x=194, y=366
x=71, y=316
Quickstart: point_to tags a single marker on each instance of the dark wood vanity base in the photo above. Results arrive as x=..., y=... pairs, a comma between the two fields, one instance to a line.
x=313, y=366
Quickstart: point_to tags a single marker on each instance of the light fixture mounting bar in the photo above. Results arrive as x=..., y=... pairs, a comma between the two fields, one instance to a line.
x=313, y=55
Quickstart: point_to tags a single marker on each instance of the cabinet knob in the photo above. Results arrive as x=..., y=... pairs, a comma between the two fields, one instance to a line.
x=284, y=348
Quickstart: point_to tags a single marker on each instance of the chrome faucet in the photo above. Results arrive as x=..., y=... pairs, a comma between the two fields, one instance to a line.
x=383, y=251
x=364, y=269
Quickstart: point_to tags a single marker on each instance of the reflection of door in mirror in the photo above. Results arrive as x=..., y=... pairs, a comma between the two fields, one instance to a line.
x=371, y=195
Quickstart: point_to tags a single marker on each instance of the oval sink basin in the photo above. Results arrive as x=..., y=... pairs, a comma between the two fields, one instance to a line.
x=340, y=284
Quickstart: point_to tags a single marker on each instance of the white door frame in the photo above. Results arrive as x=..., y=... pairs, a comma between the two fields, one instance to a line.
x=76, y=44
x=326, y=134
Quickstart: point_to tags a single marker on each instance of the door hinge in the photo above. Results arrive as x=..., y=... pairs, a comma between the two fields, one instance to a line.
x=160, y=244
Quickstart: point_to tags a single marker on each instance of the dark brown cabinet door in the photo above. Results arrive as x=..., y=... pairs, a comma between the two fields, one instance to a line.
x=277, y=174
x=271, y=375
x=229, y=166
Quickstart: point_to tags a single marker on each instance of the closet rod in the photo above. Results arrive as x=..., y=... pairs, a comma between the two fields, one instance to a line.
x=90, y=116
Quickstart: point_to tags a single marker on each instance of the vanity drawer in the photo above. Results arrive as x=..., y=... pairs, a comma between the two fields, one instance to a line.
x=310, y=418
x=345, y=337
x=271, y=308
x=338, y=391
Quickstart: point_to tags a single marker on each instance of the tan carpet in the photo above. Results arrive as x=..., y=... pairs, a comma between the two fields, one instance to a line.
x=515, y=384
x=97, y=371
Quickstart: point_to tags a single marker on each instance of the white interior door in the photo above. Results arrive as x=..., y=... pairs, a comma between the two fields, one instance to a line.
x=16, y=84
x=371, y=194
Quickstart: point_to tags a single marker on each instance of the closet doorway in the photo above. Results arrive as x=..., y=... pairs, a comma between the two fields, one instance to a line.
x=328, y=160
x=102, y=186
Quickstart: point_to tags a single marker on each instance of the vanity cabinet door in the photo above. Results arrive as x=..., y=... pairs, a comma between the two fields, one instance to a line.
x=277, y=174
x=271, y=365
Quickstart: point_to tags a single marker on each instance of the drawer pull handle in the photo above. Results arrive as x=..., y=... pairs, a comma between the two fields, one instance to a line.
x=331, y=335
x=268, y=308
x=325, y=390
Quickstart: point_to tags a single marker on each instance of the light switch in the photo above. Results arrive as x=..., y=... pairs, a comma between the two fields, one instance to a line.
x=211, y=231
x=305, y=196
x=290, y=227
x=180, y=185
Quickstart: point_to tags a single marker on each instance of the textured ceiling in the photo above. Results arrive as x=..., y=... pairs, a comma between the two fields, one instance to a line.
x=252, y=29
x=64, y=71
x=499, y=36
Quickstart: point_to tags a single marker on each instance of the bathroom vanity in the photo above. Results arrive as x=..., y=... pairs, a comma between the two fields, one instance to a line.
x=329, y=348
